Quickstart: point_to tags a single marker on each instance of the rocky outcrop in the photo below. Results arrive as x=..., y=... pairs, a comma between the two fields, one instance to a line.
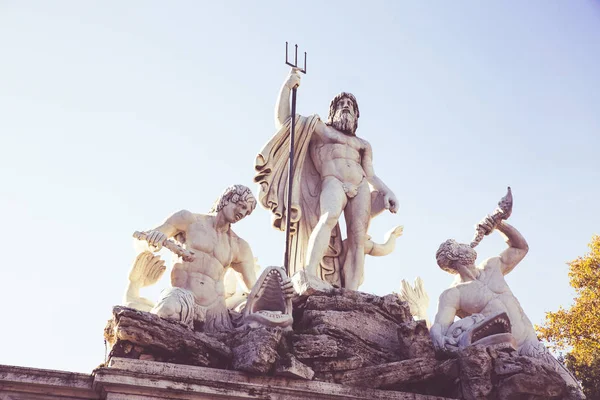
x=341, y=337
x=344, y=330
x=145, y=336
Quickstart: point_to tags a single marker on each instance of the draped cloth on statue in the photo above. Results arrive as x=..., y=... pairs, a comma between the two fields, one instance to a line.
x=272, y=165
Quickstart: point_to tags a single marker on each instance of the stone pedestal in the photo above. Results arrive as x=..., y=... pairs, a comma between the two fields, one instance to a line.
x=126, y=379
x=135, y=379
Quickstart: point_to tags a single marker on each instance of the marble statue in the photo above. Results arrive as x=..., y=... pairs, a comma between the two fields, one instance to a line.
x=216, y=248
x=197, y=279
x=268, y=304
x=146, y=270
x=483, y=290
x=417, y=298
x=333, y=173
x=479, y=329
x=236, y=293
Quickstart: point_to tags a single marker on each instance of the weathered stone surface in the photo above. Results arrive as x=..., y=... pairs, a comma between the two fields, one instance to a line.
x=290, y=366
x=505, y=364
x=372, y=329
x=396, y=308
x=341, y=337
x=315, y=346
x=338, y=365
x=351, y=345
x=349, y=300
x=475, y=372
x=363, y=325
x=163, y=380
x=127, y=379
x=131, y=334
x=520, y=376
x=255, y=350
x=538, y=386
x=18, y=383
x=414, y=340
x=444, y=382
x=326, y=377
x=407, y=371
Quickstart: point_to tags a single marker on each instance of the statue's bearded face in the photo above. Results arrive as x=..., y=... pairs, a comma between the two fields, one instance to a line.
x=345, y=118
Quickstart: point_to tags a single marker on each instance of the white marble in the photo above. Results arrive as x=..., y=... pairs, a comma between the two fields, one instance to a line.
x=146, y=270
x=236, y=293
x=482, y=289
x=417, y=298
x=333, y=174
x=214, y=248
x=270, y=301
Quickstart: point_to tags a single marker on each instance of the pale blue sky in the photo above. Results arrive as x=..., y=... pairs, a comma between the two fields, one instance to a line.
x=115, y=114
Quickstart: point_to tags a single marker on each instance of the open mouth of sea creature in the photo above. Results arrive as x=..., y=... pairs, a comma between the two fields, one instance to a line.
x=267, y=305
x=495, y=329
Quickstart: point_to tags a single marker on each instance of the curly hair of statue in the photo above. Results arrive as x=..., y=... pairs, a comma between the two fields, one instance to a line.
x=233, y=194
x=448, y=254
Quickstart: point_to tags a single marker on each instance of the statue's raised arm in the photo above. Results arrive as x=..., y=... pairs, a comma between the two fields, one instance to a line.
x=282, y=107
x=517, y=247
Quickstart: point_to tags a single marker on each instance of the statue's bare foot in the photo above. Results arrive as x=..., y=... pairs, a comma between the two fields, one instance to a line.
x=306, y=284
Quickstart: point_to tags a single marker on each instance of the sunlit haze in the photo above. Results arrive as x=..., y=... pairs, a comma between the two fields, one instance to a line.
x=114, y=115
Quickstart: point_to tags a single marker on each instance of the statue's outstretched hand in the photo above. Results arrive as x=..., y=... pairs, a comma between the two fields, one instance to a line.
x=391, y=202
x=397, y=231
x=293, y=79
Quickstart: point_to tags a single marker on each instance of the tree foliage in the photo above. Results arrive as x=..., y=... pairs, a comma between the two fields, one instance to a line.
x=587, y=373
x=577, y=329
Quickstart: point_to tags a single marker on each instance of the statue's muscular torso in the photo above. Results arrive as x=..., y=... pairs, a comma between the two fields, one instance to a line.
x=489, y=294
x=337, y=154
x=214, y=251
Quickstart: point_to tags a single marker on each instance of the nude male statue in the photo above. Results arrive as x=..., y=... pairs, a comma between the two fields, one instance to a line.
x=344, y=172
x=482, y=289
x=216, y=249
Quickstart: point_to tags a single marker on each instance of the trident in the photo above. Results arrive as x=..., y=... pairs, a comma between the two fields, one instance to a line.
x=286, y=261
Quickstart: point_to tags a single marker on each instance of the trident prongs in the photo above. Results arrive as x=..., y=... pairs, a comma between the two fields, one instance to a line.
x=295, y=64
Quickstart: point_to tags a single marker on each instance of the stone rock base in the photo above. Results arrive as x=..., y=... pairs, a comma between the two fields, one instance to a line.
x=352, y=340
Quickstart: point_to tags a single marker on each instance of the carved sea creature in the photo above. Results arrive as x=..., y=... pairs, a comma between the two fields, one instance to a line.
x=267, y=303
x=477, y=329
